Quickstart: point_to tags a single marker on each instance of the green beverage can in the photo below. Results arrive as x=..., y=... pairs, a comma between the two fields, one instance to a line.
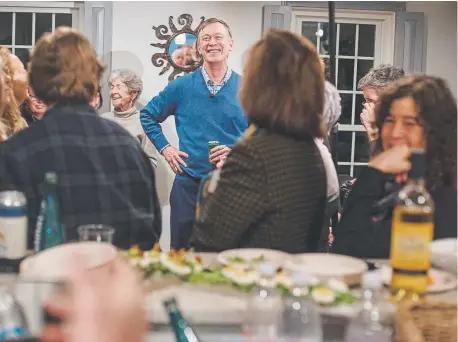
x=211, y=145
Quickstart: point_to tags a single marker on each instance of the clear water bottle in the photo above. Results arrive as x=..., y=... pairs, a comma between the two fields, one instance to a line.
x=301, y=320
x=13, y=324
x=373, y=323
x=13, y=225
x=264, y=308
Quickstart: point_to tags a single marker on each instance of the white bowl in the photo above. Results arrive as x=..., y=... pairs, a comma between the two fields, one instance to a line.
x=444, y=254
x=54, y=264
x=329, y=266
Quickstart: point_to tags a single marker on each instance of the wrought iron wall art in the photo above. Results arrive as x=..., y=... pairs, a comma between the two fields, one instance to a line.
x=180, y=47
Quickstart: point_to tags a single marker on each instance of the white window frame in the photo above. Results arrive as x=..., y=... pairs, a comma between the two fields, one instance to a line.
x=75, y=8
x=384, y=51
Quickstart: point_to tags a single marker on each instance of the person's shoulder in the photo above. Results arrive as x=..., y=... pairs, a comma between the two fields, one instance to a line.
x=235, y=77
x=110, y=125
x=107, y=115
x=252, y=141
x=185, y=80
x=18, y=143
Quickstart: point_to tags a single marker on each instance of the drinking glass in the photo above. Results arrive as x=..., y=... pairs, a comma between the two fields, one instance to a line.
x=96, y=232
x=33, y=295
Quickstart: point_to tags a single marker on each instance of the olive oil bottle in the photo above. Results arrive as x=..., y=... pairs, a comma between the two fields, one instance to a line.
x=412, y=232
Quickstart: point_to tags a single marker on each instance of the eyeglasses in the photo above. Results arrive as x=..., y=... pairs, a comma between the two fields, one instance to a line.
x=119, y=86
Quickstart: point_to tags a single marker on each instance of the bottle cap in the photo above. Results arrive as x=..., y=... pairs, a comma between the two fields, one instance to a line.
x=51, y=177
x=372, y=281
x=267, y=269
x=418, y=161
x=170, y=303
x=300, y=278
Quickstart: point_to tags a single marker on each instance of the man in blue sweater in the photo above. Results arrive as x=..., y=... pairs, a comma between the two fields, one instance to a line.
x=206, y=108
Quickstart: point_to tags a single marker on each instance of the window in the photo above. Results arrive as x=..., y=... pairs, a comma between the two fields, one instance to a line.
x=23, y=23
x=363, y=39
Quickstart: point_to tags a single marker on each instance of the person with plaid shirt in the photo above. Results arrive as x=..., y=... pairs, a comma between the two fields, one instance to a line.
x=104, y=175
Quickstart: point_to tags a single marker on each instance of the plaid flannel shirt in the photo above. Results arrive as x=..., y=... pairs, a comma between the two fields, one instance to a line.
x=104, y=177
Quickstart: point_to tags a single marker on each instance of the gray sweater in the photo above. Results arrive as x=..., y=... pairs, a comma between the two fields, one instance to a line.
x=130, y=120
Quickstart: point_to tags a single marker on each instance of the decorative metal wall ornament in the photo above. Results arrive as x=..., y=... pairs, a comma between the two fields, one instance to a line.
x=180, y=50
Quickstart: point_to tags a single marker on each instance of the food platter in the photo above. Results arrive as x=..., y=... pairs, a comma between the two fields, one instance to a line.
x=235, y=274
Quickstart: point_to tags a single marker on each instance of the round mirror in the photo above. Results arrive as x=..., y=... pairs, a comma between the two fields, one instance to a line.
x=183, y=51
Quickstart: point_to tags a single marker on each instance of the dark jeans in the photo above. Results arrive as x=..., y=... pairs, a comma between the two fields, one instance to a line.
x=183, y=198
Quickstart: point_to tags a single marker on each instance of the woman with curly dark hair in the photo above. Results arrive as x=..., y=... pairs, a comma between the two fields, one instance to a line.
x=415, y=112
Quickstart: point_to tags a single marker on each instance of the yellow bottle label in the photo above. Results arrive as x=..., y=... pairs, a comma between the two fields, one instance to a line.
x=412, y=233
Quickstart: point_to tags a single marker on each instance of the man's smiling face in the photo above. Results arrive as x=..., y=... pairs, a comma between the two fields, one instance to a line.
x=215, y=43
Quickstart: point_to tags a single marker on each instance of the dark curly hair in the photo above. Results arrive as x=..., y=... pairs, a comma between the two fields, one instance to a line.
x=437, y=114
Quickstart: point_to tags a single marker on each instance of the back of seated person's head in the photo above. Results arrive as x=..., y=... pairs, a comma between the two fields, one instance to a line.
x=429, y=122
x=282, y=88
x=65, y=68
x=332, y=106
x=377, y=79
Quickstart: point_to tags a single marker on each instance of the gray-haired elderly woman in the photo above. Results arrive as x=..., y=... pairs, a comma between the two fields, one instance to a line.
x=125, y=89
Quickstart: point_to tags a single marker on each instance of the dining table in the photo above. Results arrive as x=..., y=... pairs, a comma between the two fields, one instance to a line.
x=216, y=312
x=219, y=317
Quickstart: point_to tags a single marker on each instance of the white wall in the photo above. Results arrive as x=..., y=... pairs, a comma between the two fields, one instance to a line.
x=133, y=34
x=441, y=48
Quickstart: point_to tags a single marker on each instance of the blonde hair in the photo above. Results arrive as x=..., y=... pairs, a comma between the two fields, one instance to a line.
x=3, y=134
x=9, y=113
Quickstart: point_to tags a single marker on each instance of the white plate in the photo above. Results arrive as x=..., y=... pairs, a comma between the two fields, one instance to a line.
x=327, y=266
x=55, y=263
x=276, y=257
x=444, y=254
x=443, y=281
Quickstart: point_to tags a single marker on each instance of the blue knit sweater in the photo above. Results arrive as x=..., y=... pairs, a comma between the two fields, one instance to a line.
x=199, y=118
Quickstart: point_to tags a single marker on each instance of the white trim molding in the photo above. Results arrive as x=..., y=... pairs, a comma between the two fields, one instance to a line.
x=389, y=6
x=98, y=27
x=384, y=21
x=41, y=4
